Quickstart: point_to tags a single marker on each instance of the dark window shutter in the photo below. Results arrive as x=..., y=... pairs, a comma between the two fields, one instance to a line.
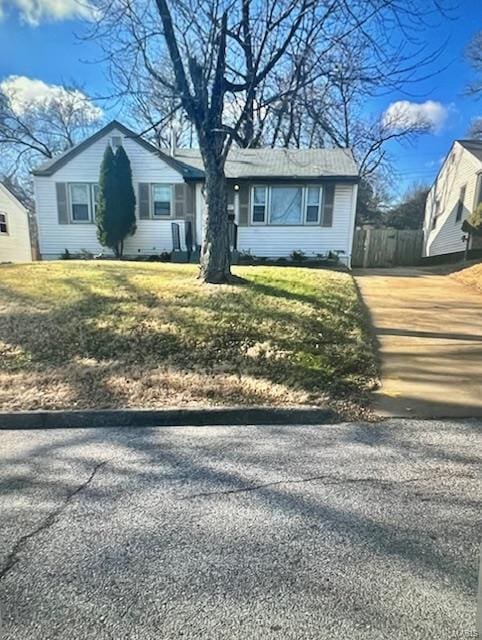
x=180, y=200
x=62, y=202
x=190, y=199
x=230, y=194
x=144, y=201
x=190, y=216
x=328, y=202
x=243, y=205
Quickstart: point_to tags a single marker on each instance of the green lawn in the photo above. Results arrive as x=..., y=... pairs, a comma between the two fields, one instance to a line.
x=112, y=334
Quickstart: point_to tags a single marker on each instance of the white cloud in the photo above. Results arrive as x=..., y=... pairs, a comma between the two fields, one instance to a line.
x=403, y=114
x=25, y=93
x=36, y=11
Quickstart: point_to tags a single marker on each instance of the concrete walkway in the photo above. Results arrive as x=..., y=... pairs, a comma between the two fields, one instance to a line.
x=429, y=331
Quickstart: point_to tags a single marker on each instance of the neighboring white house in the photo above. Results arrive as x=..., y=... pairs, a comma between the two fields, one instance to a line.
x=455, y=193
x=14, y=229
x=279, y=200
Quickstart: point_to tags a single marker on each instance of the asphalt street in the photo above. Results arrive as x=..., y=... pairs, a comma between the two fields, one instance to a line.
x=349, y=531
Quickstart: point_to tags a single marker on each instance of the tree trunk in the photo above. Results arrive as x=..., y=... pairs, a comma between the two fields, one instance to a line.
x=215, y=253
x=118, y=250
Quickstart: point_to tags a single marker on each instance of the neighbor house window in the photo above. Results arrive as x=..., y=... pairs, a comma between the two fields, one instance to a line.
x=313, y=205
x=3, y=224
x=116, y=141
x=260, y=199
x=80, y=202
x=161, y=200
x=460, y=205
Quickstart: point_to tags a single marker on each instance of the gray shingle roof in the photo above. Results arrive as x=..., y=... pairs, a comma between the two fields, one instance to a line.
x=281, y=163
x=241, y=163
x=474, y=146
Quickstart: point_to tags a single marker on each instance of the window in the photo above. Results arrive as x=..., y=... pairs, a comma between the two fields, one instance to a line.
x=80, y=202
x=260, y=197
x=313, y=205
x=116, y=141
x=286, y=205
x=460, y=205
x=3, y=223
x=161, y=200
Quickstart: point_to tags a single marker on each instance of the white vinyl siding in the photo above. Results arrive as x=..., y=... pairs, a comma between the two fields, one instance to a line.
x=276, y=241
x=444, y=211
x=152, y=236
x=14, y=229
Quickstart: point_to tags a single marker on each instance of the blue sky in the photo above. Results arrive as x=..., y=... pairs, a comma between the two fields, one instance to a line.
x=51, y=52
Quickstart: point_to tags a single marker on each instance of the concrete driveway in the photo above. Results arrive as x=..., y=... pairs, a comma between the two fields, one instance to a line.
x=339, y=531
x=429, y=331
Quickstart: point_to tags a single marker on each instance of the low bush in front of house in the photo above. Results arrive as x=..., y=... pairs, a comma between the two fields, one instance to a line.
x=95, y=334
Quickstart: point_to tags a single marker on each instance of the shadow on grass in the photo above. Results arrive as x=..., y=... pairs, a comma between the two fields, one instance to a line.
x=305, y=337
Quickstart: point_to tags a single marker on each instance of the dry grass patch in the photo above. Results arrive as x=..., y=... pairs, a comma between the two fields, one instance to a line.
x=112, y=334
x=471, y=276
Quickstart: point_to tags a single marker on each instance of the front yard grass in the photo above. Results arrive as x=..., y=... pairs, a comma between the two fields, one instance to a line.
x=471, y=276
x=82, y=335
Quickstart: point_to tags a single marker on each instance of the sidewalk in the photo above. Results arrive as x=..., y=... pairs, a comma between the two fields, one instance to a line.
x=429, y=330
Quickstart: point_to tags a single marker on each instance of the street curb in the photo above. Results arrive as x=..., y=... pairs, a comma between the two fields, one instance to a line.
x=164, y=417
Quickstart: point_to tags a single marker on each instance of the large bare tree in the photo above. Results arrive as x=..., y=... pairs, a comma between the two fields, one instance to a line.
x=234, y=65
x=474, y=57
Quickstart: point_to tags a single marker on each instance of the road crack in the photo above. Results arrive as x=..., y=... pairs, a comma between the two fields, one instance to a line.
x=328, y=480
x=48, y=522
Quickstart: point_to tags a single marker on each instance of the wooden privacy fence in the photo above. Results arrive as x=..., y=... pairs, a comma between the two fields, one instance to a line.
x=387, y=247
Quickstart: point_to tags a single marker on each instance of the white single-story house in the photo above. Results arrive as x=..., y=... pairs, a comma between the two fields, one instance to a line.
x=280, y=200
x=14, y=228
x=456, y=192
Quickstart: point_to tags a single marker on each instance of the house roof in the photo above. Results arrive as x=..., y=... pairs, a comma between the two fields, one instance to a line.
x=49, y=167
x=256, y=164
x=474, y=146
x=281, y=163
